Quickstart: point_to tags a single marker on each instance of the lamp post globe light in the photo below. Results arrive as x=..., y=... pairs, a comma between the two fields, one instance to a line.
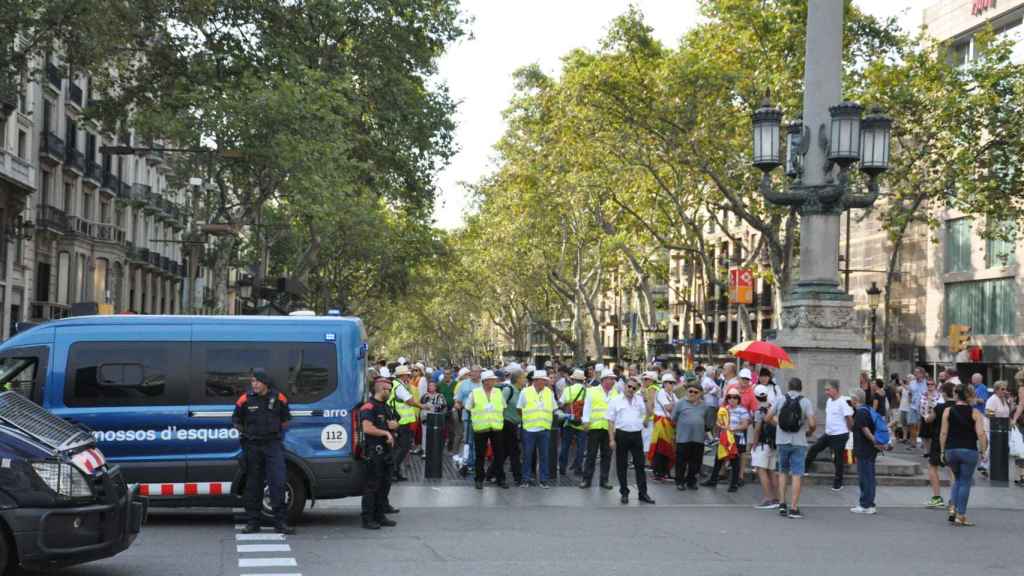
x=874, y=299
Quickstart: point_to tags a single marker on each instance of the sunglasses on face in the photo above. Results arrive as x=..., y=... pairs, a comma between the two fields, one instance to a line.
x=691, y=391
x=631, y=387
x=730, y=397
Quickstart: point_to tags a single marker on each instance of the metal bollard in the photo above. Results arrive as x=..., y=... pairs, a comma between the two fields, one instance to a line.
x=434, y=443
x=999, y=450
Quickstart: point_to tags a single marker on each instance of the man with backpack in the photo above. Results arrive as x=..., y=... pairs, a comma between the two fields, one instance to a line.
x=866, y=446
x=793, y=416
x=838, y=419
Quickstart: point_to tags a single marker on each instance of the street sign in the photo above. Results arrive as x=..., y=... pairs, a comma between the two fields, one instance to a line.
x=741, y=285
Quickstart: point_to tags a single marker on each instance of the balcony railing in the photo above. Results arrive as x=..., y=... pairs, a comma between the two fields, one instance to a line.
x=154, y=259
x=8, y=98
x=51, y=218
x=93, y=172
x=74, y=160
x=165, y=263
x=75, y=94
x=142, y=254
x=81, y=227
x=139, y=194
x=109, y=233
x=52, y=147
x=54, y=75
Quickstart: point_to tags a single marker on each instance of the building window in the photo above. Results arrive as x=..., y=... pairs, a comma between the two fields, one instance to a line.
x=105, y=212
x=44, y=188
x=958, y=245
x=1000, y=253
x=87, y=206
x=68, y=199
x=22, y=145
x=987, y=306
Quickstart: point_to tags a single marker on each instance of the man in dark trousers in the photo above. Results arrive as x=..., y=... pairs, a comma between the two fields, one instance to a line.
x=377, y=420
x=261, y=417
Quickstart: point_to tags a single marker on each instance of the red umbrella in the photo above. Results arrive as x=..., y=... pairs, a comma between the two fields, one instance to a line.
x=763, y=353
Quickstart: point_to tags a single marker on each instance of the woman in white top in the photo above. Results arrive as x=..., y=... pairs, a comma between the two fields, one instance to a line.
x=662, y=450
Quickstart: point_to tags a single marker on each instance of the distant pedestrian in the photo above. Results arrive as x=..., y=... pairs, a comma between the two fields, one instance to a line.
x=838, y=419
x=537, y=405
x=933, y=418
x=918, y=386
x=573, y=435
x=793, y=416
x=879, y=401
x=486, y=406
x=930, y=398
x=690, y=416
x=865, y=448
x=963, y=443
x=626, y=417
x=509, y=382
x=981, y=394
x=904, y=405
x=595, y=421
x=762, y=452
x=711, y=390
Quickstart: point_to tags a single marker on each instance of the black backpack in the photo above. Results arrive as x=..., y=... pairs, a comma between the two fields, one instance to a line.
x=767, y=435
x=791, y=417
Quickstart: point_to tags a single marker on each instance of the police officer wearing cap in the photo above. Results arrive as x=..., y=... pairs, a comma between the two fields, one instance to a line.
x=377, y=421
x=261, y=416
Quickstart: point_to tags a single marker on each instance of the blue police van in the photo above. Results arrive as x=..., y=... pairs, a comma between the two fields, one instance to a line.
x=157, y=393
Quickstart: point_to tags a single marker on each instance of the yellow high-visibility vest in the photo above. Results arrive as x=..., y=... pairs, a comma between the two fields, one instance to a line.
x=487, y=412
x=538, y=408
x=406, y=413
x=599, y=405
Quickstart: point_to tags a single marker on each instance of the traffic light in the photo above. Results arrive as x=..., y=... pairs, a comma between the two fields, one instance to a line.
x=959, y=336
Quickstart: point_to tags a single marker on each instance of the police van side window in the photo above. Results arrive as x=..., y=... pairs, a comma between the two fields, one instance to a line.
x=305, y=372
x=126, y=374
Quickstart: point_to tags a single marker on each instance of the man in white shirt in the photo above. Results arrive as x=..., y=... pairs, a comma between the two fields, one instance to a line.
x=712, y=391
x=627, y=415
x=838, y=421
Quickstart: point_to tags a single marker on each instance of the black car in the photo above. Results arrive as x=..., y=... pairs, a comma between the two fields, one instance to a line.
x=60, y=502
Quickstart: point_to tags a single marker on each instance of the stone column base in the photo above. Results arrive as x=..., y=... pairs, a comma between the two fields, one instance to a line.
x=825, y=342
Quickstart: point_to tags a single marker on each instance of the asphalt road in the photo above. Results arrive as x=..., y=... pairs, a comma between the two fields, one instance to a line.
x=456, y=531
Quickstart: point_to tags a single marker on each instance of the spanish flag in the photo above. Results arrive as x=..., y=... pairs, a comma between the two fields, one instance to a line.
x=727, y=449
x=663, y=440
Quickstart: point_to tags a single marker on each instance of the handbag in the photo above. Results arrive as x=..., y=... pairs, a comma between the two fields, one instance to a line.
x=1016, y=442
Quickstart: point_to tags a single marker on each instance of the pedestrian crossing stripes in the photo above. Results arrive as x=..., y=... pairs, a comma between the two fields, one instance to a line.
x=264, y=551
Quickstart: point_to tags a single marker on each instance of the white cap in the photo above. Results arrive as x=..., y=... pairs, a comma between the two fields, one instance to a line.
x=761, y=390
x=599, y=368
x=385, y=372
x=514, y=368
x=402, y=370
x=650, y=375
x=608, y=374
x=530, y=367
x=488, y=375
x=541, y=375
x=578, y=374
x=668, y=377
x=745, y=373
x=462, y=372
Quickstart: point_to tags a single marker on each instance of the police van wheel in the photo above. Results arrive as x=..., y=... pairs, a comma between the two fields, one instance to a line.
x=294, y=499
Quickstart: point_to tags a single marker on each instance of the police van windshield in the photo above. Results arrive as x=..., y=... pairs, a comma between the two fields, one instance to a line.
x=17, y=374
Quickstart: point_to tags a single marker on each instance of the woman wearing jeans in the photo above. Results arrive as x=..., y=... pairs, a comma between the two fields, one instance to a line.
x=962, y=440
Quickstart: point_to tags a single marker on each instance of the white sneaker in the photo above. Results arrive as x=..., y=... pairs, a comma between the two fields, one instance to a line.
x=870, y=511
x=861, y=510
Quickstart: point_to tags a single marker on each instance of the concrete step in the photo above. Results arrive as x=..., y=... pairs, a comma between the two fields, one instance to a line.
x=884, y=466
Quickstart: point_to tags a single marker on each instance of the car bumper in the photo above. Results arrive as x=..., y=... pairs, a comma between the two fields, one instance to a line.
x=53, y=537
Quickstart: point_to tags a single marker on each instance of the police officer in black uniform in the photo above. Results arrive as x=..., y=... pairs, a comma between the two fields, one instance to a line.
x=378, y=422
x=261, y=417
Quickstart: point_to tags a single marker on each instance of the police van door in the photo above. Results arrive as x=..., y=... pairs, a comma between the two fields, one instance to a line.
x=131, y=394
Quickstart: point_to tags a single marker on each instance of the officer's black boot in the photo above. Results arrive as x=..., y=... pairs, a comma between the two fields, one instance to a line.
x=251, y=528
x=284, y=529
x=371, y=524
x=384, y=521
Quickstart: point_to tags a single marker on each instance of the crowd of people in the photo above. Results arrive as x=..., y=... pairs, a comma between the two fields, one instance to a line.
x=526, y=425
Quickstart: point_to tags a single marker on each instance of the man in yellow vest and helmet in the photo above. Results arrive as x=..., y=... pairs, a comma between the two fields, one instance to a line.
x=405, y=404
x=572, y=400
x=486, y=406
x=537, y=406
x=595, y=408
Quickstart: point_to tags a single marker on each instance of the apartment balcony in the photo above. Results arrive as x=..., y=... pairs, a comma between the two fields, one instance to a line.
x=8, y=98
x=18, y=171
x=75, y=96
x=174, y=268
x=152, y=204
x=139, y=195
x=154, y=259
x=52, y=219
x=51, y=148
x=73, y=160
x=110, y=183
x=54, y=77
x=165, y=263
x=80, y=227
x=42, y=311
x=109, y=233
x=93, y=174
x=142, y=255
